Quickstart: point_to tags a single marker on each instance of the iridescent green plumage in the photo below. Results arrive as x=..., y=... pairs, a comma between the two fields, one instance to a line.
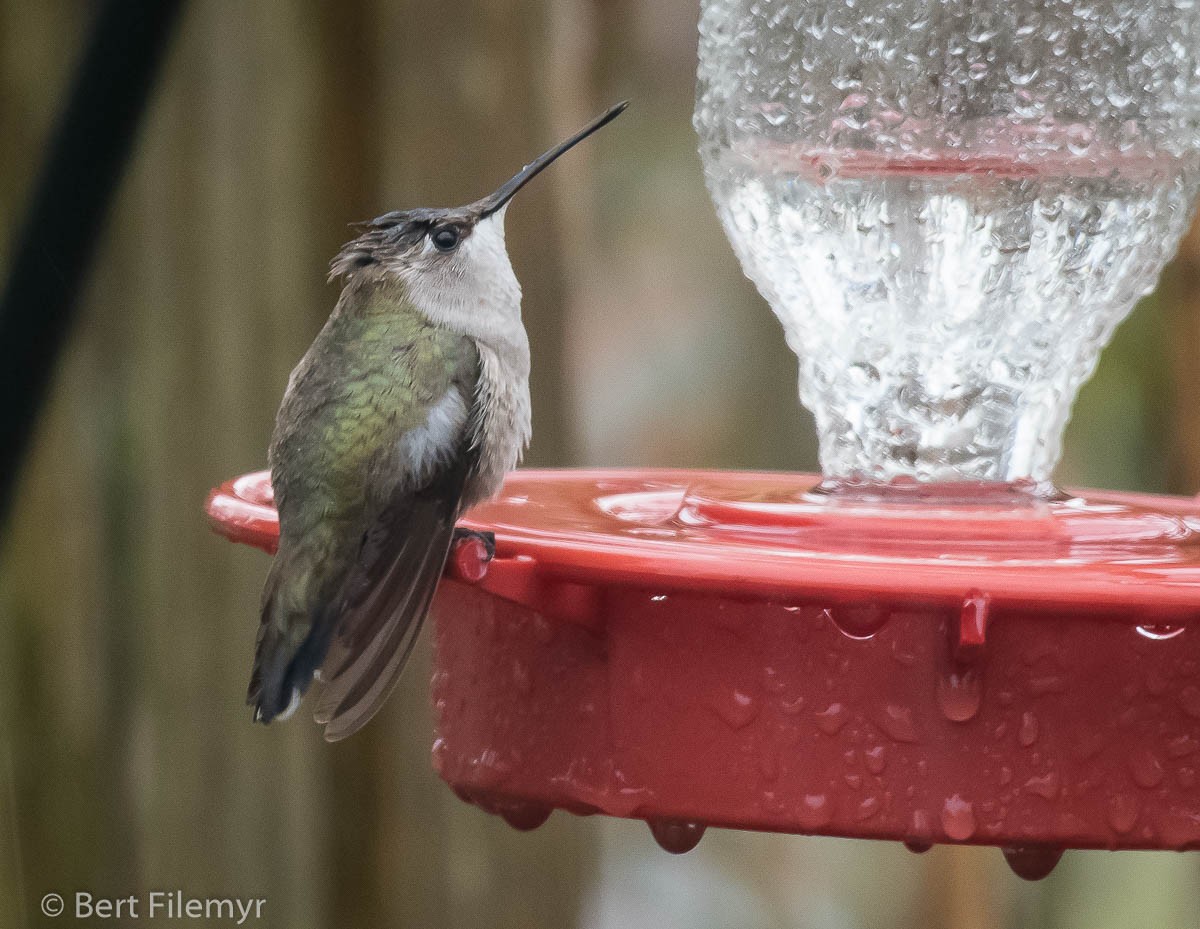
x=355, y=478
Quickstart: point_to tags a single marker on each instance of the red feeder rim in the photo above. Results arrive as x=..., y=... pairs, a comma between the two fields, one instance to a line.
x=978, y=665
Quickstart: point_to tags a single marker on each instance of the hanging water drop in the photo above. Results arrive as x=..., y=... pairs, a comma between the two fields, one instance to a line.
x=1032, y=862
x=525, y=817
x=676, y=836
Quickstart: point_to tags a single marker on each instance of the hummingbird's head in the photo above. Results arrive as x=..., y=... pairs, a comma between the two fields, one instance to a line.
x=450, y=260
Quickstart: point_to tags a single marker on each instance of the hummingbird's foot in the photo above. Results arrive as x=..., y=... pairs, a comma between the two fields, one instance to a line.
x=488, y=539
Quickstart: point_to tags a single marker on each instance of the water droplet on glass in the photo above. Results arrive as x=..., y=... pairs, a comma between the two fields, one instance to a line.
x=1021, y=74
x=959, y=693
x=676, y=836
x=1032, y=862
x=958, y=819
x=776, y=114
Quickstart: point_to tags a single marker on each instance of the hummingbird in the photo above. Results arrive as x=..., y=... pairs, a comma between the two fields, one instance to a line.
x=411, y=406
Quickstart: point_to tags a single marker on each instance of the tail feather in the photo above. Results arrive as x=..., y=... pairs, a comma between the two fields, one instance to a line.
x=289, y=651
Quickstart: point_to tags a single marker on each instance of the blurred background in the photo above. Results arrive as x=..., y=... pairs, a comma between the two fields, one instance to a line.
x=127, y=759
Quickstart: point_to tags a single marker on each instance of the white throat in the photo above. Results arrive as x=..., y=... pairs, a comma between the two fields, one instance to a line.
x=475, y=292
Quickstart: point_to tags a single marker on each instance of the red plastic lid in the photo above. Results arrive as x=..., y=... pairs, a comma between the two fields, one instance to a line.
x=978, y=664
x=771, y=535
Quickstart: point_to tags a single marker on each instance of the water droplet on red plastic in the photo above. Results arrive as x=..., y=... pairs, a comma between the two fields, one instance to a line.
x=525, y=816
x=521, y=677
x=958, y=818
x=918, y=846
x=1045, y=785
x=1006, y=775
x=831, y=719
x=1122, y=813
x=676, y=835
x=897, y=722
x=1189, y=699
x=1032, y=862
x=1028, y=733
x=488, y=770
x=1048, y=684
x=902, y=655
x=544, y=630
x=959, y=694
x=773, y=682
x=868, y=808
x=1146, y=768
x=1159, y=632
x=768, y=764
x=813, y=812
x=858, y=622
x=1156, y=683
x=876, y=759
x=738, y=709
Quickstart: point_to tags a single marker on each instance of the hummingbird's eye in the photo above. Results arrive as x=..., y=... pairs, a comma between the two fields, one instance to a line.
x=445, y=239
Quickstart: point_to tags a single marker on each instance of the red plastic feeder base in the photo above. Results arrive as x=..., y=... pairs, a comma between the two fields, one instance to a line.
x=745, y=650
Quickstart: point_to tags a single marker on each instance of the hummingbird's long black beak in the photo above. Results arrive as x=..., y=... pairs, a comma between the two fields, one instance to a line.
x=494, y=201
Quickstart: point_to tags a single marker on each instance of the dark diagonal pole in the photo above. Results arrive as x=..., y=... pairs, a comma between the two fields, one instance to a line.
x=84, y=161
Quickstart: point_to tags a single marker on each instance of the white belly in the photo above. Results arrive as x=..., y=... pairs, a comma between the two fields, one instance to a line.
x=424, y=449
x=504, y=423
